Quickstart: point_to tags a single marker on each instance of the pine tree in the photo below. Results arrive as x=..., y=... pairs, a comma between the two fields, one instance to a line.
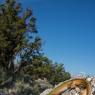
x=18, y=36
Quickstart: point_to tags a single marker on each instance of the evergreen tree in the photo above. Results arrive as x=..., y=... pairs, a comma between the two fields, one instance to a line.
x=42, y=67
x=17, y=39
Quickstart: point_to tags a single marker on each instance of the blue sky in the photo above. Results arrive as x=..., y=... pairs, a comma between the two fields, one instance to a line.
x=68, y=31
x=67, y=28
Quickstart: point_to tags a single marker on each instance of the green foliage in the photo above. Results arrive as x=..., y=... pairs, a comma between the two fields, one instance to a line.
x=15, y=31
x=59, y=74
x=42, y=68
x=19, y=39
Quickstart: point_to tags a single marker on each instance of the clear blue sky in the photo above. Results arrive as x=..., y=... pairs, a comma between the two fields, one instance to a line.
x=68, y=31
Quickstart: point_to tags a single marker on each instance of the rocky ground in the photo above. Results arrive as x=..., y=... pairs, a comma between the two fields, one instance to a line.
x=43, y=87
x=75, y=91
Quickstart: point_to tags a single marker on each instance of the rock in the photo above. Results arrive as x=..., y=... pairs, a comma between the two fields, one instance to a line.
x=44, y=84
x=47, y=91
